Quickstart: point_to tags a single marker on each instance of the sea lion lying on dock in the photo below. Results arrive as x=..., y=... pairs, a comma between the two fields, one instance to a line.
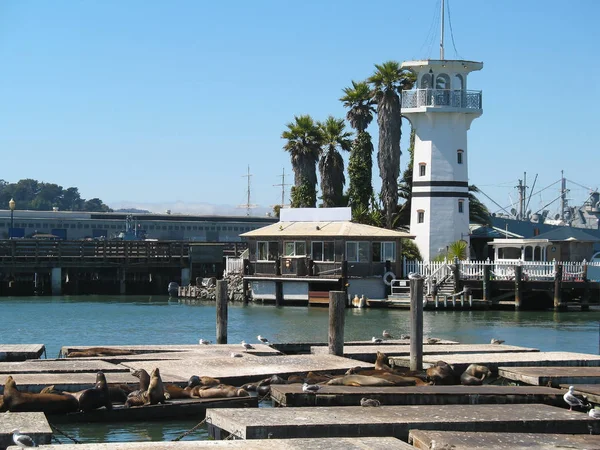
x=441, y=373
x=315, y=378
x=195, y=380
x=154, y=394
x=220, y=391
x=360, y=380
x=97, y=351
x=16, y=401
x=97, y=397
x=474, y=375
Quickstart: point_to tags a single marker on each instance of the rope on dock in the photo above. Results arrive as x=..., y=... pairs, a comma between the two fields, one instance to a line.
x=191, y=430
x=54, y=427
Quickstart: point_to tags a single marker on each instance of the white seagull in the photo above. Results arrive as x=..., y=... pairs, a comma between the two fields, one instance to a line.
x=572, y=400
x=497, y=341
x=369, y=402
x=594, y=413
x=375, y=340
x=246, y=346
x=22, y=440
x=310, y=387
x=262, y=339
x=386, y=334
x=204, y=342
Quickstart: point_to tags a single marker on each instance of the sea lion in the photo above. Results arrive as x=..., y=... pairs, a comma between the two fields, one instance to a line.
x=220, y=391
x=97, y=351
x=441, y=373
x=314, y=378
x=156, y=389
x=97, y=397
x=195, y=380
x=294, y=379
x=136, y=398
x=382, y=362
x=474, y=375
x=16, y=401
x=143, y=377
x=275, y=379
x=175, y=391
x=261, y=391
x=359, y=380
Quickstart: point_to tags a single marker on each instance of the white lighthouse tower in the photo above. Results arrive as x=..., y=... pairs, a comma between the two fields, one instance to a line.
x=440, y=110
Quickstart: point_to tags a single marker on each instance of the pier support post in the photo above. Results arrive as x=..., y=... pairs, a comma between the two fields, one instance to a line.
x=456, y=275
x=185, y=276
x=416, y=322
x=56, y=277
x=518, y=286
x=558, y=274
x=337, y=318
x=487, y=284
x=221, y=312
x=123, y=283
x=279, y=293
x=585, y=298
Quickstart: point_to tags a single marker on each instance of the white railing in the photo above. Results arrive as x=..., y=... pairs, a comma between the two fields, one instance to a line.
x=233, y=265
x=417, y=98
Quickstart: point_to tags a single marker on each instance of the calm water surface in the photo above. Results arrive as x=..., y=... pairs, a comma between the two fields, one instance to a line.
x=114, y=320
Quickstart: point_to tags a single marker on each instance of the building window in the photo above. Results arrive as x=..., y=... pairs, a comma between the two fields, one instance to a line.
x=295, y=248
x=461, y=206
x=421, y=170
x=357, y=251
x=459, y=156
x=384, y=251
x=323, y=251
x=266, y=251
x=420, y=216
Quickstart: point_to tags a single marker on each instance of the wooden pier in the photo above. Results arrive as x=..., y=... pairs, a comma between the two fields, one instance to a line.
x=21, y=352
x=33, y=424
x=555, y=376
x=396, y=421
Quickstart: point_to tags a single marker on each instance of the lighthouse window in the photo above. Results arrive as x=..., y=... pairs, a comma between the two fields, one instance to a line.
x=420, y=216
x=459, y=156
x=421, y=170
x=461, y=206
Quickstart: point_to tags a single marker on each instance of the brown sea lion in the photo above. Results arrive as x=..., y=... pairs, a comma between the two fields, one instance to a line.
x=220, y=391
x=175, y=391
x=359, y=380
x=441, y=373
x=16, y=401
x=382, y=362
x=314, y=378
x=400, y=380
x=156, y=388
x=474, y=375
x=143, y=377
x=98, y=351
x=97, y=397
x=137, y=398
x=275, y=379
x=294, y=379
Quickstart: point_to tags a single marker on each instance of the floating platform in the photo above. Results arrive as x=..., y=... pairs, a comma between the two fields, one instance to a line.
x=387, y=443
x=499, y=441
x=237, y=371
x=555, y=376
x=173, y=409
x=495, y=360
x=59, y=366
x=396, y=421
x=292, y=395
x=368, y=353
x=33, y=424
x=21, y=352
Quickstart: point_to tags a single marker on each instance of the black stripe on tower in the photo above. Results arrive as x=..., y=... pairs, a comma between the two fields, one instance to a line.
x=441, y=183
x=441, y=194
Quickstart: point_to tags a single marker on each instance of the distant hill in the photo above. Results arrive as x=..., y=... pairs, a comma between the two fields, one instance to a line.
x=132, y=211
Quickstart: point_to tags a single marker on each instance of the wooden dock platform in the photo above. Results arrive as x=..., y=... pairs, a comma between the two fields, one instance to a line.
x=495, y=360
x=501, y=441
x=542, y=376
x=292, y=395
x=33, y=424
x=21, y=352
x=368, y=353
x=59, y=366
x=396, y=421
x=387, y=443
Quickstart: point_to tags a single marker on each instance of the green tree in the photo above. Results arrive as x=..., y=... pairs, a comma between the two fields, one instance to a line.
x=387, y=83
x=359, y=100
x=478, y=212
x=331, y=163
x=95, y=205
x=304, y=140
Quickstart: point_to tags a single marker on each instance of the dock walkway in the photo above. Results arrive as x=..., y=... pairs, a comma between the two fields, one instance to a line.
x=542, y=376
x=21, y=352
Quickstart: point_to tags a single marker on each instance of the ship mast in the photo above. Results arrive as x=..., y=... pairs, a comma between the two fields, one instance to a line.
x=442, y=33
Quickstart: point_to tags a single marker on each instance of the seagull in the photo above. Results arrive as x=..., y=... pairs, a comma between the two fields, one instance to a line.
x=262, y=339
x=375, y=340
x=204, y=342
x=594, y=413
x=369, y=402
x=404, y=336
x=386, y=334
x=433, y=340
x=572, y=400
x=246, y=346
x=497, y=341
x=236, y=355
x=310, y=387
x=22, y=440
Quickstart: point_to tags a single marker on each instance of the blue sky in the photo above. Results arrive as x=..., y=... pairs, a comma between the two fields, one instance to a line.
x=167, y=103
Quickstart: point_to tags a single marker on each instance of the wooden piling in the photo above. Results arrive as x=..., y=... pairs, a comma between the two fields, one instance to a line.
x=585, y=298
x=558, y=274
x=487, y=283
x=337, y=317
x=221, y=312
x=278, y=293
x=518, y=286
x=456, y=275
x=416, y=323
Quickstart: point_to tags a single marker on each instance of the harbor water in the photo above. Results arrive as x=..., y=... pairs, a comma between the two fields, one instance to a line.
x=121, y=320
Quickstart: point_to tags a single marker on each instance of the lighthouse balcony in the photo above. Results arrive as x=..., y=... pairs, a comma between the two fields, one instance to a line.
x=449, y=100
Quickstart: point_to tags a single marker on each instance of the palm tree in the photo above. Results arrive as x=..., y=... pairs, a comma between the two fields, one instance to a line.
x=387, y=83
x=359, y=101
x=331, y=163
x=304, y=140
x=478, y=212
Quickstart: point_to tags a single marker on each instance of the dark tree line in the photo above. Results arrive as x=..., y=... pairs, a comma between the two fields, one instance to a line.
x=40, y=196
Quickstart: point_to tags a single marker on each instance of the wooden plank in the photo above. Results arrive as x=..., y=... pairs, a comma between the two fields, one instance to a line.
x=33, y=424
x=196, y=351
x=555, y=376
x=173, y=409
x=498, y=441
x=292, y=395
x=21, y=352
x=494, y=360
x=56, y=366
x=257, y=444
x=394, y=421
x=238, y=371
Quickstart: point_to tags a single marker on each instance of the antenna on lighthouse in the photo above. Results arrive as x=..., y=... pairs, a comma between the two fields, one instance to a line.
x=442, y=33
x=248, y=205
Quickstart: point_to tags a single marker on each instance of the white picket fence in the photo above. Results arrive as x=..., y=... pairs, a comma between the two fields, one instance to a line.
x=233, y=265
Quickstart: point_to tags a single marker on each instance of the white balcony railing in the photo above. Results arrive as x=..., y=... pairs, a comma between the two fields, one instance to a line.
x=441, y=97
